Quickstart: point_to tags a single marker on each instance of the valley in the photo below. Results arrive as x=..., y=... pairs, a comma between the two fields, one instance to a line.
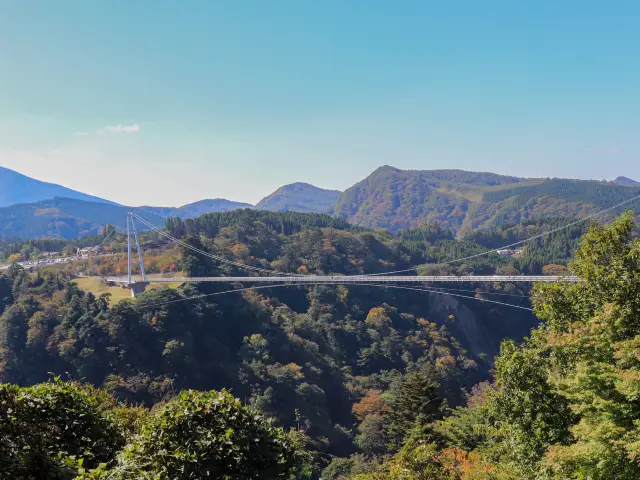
x=338, y=315
x=335, y=359
x=331, y=240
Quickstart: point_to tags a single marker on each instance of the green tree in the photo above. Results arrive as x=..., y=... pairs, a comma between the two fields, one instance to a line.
x=207, y=435
x=13, y=339
x=419, y=461
x=416, y=400
x=6, y=292
x=593, y=340
x=53, y=429
x=566, y=401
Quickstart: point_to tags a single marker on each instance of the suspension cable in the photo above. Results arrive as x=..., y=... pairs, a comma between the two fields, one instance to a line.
x=324, y=283
x=205, y=253
x=521, y=242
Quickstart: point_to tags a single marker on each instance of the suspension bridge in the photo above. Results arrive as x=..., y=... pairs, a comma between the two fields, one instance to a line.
x=138, y=283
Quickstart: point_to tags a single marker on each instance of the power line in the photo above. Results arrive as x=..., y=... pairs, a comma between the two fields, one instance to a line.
x=455, y=295
x=205, y=253
x=356, y=284
x=164, y=217
x=271, y=272
x=521, y=242
x=481, y=291
x=218, y=293
x=195, y=249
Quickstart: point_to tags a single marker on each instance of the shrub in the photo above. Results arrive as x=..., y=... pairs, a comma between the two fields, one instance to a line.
x=206, y=435
x=51, y=429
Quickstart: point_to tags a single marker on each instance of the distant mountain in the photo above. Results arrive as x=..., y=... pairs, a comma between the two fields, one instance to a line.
x=626, y=182
x=62, y=218
x=196, y=209
x=193, y=210
x=299, y=197
x=17, y=188
x=388, y=198
x=465, y=201
x=71, y=218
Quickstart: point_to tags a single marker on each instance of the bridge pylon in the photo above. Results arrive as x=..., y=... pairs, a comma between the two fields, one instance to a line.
x=136, y=287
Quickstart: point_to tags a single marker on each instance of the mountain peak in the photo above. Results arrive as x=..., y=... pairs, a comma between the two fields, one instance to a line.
x=299, y=197
x=386, y=169
x=627, y=182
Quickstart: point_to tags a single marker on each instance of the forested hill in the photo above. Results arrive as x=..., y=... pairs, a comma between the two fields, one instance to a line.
x=304, y=356
x=65, y=218
x=69, y=218
x=468, y=201
x=284, y=223
x=299, y=197
x=365, y=376
x=461, y=201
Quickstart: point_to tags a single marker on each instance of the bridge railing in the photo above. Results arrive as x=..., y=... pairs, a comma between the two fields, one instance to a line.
x=354, y=279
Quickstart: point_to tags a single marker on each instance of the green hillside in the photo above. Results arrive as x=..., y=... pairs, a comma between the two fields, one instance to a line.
x=70, y=218
x=465, y=201
x=389, y=198
x=369, y=380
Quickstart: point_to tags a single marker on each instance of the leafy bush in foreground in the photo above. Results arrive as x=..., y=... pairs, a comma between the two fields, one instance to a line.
x=63, y=430
x=206, y=435
x=49, y=429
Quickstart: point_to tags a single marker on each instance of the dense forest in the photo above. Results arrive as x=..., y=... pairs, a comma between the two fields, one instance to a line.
x=470, y=201
x=360, y=382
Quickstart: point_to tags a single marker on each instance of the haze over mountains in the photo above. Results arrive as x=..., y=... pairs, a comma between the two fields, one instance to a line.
x=18, y=188
x=627, y=182
x=388, y=198
x=299, y=197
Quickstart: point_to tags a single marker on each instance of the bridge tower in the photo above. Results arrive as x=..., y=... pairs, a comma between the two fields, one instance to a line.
x=136, y=287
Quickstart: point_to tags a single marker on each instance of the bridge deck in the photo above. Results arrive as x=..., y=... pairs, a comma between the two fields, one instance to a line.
x=313, y=279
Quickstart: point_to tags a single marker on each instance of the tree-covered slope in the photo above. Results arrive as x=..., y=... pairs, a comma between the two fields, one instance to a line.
x=368, y=374
x=71, y=218
x=466, y=201
x=303, y=355
x=299, y=197
x=63, y=218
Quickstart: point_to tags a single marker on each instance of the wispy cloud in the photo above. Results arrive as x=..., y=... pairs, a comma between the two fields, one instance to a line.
x=135, y=128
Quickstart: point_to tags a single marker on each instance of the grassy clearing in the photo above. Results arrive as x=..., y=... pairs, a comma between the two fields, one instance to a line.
x=97, y=286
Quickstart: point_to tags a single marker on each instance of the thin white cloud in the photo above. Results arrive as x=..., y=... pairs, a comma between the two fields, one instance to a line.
x=135, y=128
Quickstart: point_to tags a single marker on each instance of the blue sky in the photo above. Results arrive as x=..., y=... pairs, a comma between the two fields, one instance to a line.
x=165, y=102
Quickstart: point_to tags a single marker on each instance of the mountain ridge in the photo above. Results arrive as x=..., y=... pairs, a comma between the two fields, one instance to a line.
x=464, y=201
x=626, y=181
x=62, y=217
x=195, y=209
x=389, y=198
x=16, y=188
